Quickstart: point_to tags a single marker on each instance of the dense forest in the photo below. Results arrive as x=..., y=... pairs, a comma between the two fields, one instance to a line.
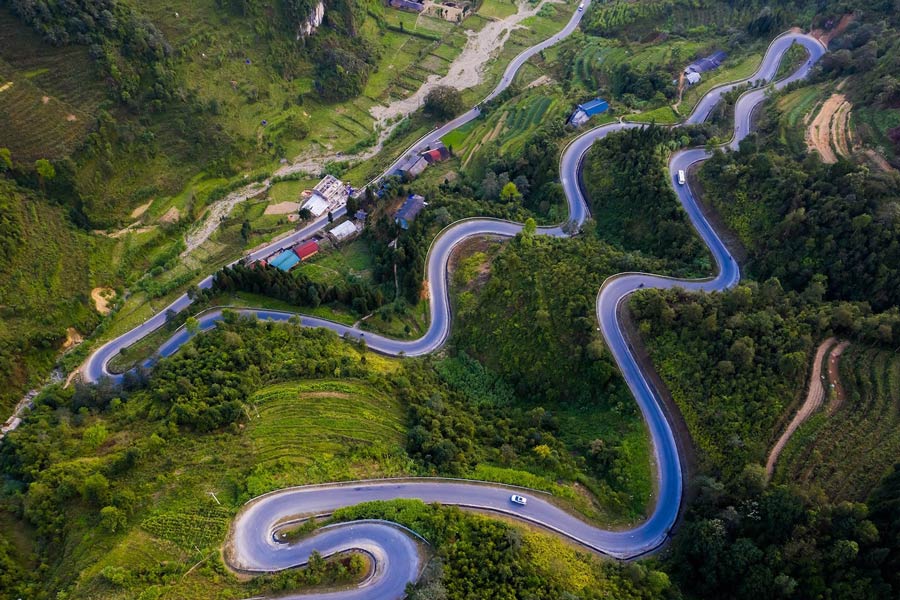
x=803, y=221
x=632, y=201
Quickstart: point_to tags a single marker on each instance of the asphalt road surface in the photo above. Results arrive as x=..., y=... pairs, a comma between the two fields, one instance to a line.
x=253, y=545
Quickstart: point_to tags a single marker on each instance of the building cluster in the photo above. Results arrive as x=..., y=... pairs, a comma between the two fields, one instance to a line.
x=412, y=165
x=585, y=111
x=328, y=195
x=288, y=258
x=713, y=61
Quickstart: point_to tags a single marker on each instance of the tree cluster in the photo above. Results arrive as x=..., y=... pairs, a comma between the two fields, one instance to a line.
x=630, y=195
x=296, y=288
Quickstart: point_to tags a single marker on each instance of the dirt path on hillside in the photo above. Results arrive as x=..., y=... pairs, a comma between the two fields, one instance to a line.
x=826, y=36
x=138, y=212
x=828, y=133
x=834, y=378
x=815, y=394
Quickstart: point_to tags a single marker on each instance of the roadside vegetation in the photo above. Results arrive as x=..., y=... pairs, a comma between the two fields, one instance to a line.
x=632, y=202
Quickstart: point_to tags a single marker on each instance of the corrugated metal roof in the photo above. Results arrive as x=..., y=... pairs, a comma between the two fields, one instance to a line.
x=284, y=261
x=595, y=106
x=317, y=205
x=344, y=230
x=410, y=209
x=306, y=249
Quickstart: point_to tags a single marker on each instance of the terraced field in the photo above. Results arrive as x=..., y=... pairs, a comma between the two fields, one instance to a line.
x=507, y=128
x=796, y=108
x=48, y=98
x=316, y=430
x=847, y=452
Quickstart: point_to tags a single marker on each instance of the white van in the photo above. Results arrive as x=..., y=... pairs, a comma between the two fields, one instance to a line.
x=681, y=179
x=581, y=6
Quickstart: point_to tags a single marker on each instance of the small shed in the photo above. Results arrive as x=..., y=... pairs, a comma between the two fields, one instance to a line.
x=436, y=155
x=409, y=211
x=692, y=78
x=361, y=215
x=306, y=249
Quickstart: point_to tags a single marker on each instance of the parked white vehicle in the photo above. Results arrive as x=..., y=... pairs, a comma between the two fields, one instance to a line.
x=681, y=178
x=581, y=6
x=517, y=499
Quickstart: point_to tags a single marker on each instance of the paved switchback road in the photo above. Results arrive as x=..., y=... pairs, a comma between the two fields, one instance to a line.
x=252, y=545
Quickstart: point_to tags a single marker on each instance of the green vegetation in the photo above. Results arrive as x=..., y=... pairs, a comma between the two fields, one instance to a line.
x=846, y=452
x=806, y=223
x=47, y=271
x=100, y=485
x=477, y=557
x=550, y=353
x=632, y=200
x=443, y=102
x=664, y=115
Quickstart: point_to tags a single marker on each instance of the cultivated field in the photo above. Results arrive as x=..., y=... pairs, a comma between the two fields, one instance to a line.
x=848, y=451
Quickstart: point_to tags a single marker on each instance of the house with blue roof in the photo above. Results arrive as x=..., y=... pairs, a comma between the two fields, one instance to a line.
x=411, y=208
x=585, y=111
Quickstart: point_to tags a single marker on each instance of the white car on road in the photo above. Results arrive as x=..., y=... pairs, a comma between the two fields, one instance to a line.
x=517, y=499
x=681, y=178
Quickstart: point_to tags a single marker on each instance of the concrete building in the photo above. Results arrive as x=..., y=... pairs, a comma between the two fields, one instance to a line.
x=333, y=190
x=317, y=205
x=585, y=111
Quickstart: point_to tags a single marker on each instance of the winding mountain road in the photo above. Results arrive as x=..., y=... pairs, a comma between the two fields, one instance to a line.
x=253, y=544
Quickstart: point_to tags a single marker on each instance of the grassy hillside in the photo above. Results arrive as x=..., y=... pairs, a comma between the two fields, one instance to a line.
x=47, y=272
x=847, y=452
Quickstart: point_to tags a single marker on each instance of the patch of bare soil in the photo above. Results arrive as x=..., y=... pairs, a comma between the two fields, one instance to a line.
x=282, y=208
x=45, y=99
x=879, y=161
x=815, y=394
x=542, y=80
x=102, y=297
x=73, y=338
x=138, y=212
x=171, y=215
x=826, y=36
x=71, y=118
x=827, y=134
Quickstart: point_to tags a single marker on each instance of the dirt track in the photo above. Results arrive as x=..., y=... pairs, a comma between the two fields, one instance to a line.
x=815, y=395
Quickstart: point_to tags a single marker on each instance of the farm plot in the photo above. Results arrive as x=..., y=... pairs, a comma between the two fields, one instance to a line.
x=847, y=453
x=326, y=430
x=507, y=128
x=796, y=108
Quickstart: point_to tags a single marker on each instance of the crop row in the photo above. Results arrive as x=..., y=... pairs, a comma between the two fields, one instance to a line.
x=847, y=452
